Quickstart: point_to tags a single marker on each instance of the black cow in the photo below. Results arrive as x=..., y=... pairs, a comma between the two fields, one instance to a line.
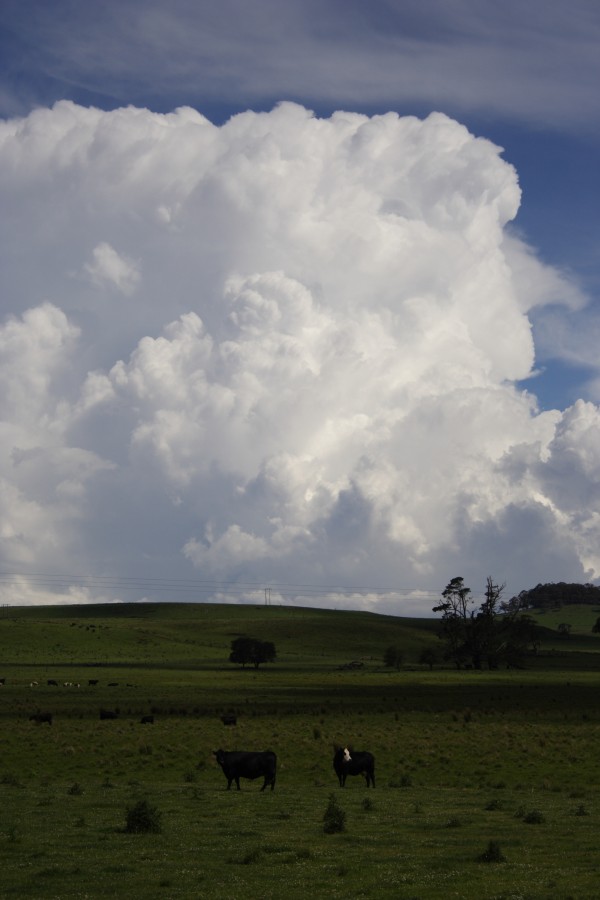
x=147, y=720
x=357, y=762
x=238, y=764
x=109, y=714
x=41, y=718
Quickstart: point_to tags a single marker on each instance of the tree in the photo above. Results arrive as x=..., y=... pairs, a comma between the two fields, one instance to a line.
x=455, y=610
x=488, y=638
x=250, y=650
x=393, y=657
x=596, y=626
x=428, y=657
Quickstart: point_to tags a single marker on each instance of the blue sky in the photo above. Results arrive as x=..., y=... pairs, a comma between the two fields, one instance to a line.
x=521, y=76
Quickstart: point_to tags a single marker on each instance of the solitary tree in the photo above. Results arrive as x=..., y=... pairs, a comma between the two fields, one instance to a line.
x=246, y=650
x=428, y=657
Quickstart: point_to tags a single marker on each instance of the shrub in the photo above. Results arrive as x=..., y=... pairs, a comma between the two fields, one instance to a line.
x=75, y=790
x=493, y=854
x=143, y=819
x=334, y=818
x=535, y=817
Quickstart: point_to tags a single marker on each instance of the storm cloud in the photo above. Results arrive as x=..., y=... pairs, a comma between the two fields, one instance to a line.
x=285, y=350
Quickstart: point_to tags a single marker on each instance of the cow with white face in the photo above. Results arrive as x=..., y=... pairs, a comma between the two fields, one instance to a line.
x=355, y=762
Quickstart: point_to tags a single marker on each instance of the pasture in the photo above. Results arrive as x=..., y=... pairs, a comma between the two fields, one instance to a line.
x=487, y=782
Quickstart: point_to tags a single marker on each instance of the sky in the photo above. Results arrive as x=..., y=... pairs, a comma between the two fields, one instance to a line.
x=299, y=301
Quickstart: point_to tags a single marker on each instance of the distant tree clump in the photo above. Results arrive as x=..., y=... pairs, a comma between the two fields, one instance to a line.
x=496, y=632
x=250, y=651
x=553, y=596
x=596, y=626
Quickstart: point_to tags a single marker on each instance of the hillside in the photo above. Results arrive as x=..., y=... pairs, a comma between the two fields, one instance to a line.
x=190, y=634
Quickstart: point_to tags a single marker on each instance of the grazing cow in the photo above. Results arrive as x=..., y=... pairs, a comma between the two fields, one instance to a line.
x=113, y=684
x=52, y=682
x=92, y=682
x=40, y=718
x=109, y=714
x=147, y=720
x=238, y=764
x=229, y=719
x=356, y=763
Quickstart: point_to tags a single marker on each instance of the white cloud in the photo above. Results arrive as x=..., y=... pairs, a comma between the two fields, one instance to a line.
x=313, y=381
x=110, y=268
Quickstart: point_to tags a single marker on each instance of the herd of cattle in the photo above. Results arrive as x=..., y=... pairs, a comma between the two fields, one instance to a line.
x=238, y=764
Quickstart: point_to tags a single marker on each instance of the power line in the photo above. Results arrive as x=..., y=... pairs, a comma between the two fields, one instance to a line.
x=64, y=581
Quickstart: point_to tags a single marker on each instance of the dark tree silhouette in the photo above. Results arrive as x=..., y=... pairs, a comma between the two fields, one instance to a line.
x=428, y=657
x=247, y=650
x=496, y=632
x=393, y=657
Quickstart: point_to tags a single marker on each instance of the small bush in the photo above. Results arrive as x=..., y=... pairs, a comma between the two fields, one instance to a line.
x=334, y=818
x=581, y=811
x=367, y=804
x=493, y=854
x=143, y=819
x=11, y=780
x=534, y=817
x=75, y=790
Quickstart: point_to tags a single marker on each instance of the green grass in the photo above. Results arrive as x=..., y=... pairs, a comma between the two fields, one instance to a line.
x=465, y=761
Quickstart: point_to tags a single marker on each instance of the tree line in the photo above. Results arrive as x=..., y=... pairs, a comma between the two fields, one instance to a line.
x=550, y=596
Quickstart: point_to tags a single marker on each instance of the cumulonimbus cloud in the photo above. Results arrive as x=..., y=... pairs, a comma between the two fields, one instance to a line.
x=286, y=348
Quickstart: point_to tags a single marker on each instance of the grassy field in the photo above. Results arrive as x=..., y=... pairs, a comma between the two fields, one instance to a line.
x=487, y=782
